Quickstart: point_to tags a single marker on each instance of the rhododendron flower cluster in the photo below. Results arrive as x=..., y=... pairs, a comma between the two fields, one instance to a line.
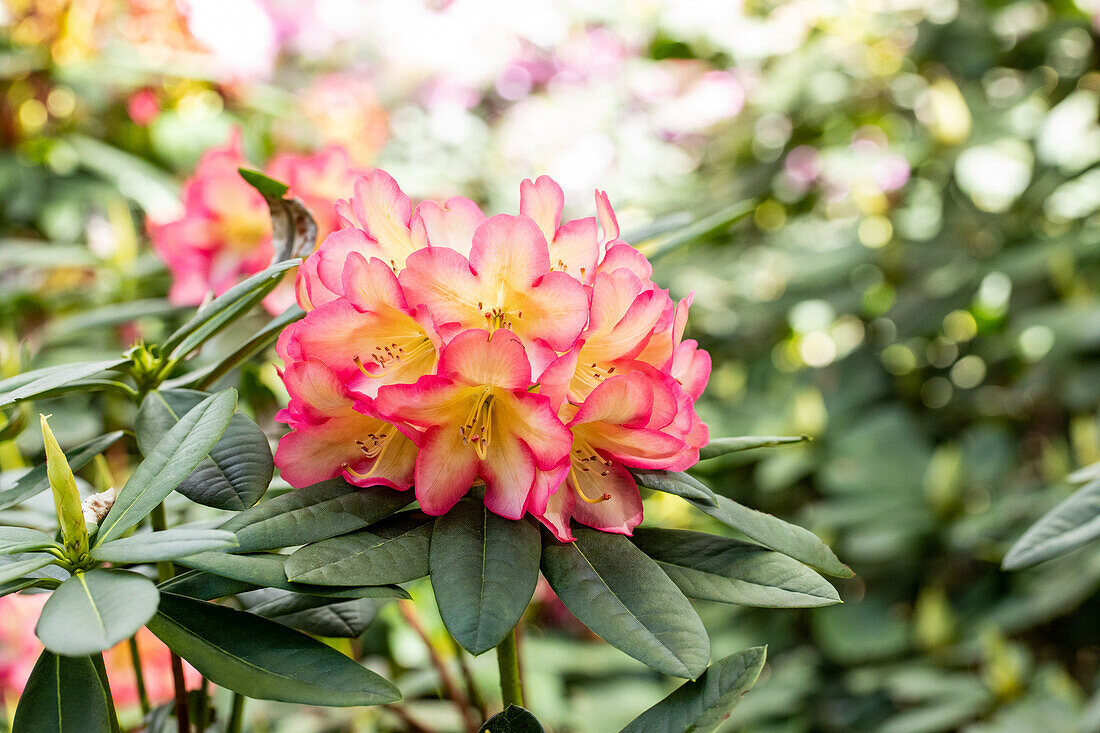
x=224, y=234
x=444, y=349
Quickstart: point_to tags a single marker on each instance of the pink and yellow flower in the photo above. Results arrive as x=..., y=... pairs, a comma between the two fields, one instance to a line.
x=224, y=234
x=446, y=350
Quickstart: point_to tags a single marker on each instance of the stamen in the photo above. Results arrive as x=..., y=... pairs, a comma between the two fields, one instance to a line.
x=477, y=428
x=584, y=454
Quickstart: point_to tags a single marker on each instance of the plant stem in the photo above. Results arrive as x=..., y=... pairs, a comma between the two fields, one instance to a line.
x=408, y=610
x=139, y=676
x=471, y=685
x=236, y=715
x=165, y=571
x=511, y=686
x=204, y=706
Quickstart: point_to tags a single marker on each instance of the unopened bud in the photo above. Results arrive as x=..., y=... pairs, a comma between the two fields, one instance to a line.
x=66, y=497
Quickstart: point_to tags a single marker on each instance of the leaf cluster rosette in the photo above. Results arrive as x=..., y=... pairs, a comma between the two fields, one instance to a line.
x=443, y=349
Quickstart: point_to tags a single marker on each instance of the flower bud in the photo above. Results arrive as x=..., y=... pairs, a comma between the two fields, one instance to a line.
x=66, y=498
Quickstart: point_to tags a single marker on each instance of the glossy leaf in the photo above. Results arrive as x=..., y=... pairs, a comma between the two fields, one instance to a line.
x=41, y=381
x=513, y=719
x=712, y=568
x=326, y=509
x=269, y=571
x=240, y=466
x=204, y=586
x=722, y=446
x=35, y=481
x=677, y=483
x=776, y=534
x=259, y=658
x=618, y=592
x=393, y=551
x=703, y=705
x=484, y=570
x=175, y=456
x=23, y=539
x=90, y=612
x=1069, y=525
x=168, y=544
x=63, y=695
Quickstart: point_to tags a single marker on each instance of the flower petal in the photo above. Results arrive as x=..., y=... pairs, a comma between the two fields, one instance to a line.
x=476, y=358
x=529, y=416
x=558, y=512
x=445, y=470
x=371, y=286
x=509, y=472
x=574, y=249
x=542, y=200
x=383, y=211
x=451, y=224
x=441, y=280
x=623, y=256
x=510, y=250
x=619, y=514
x=608, y=223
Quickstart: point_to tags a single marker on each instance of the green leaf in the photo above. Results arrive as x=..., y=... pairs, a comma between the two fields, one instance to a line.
x=208, y=375
x=772, y=532
x=36, y=481
x=63, y=695
x=618, y=592
x=712, y=568
x=326, y=509
x=18, y=567
x=204, y=586
x=66, y=497
x=23, y=539
x=703, y=705
x=702, y=228
x=261, y=659
x=513, y=719
x=174, y=457
x=40, y=381
x=1067, y=526
x=294, y=232
x=19, y=584
x=168, y=544
x=392, y=551
x=269, y=571
x=336, y=618
x=484, y=571
x=224, y=309
x=240, y=466
x=722, y=446
x=266, y=185
x=677, y=483
x=90, y=612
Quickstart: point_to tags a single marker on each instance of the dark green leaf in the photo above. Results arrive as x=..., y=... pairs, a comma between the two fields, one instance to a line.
x=63, y=695
x=40, y=381
x=269, y=571
x=266, y=185
x=167, y=544
x=616, y=590
x=204, y=586
x=393, y=551
x=1067, y=526
x=35, y=481
x=722, y=446
x=224, y=309
x=513, y=719
x=239, y=468
x=19, y=584
x=772, y=532
x=703, y=705
x=313, y=513
x=675, y=482
x=23, y=539
x=176, y=455
x=484, y=570
x=314, y=614
x=713, y=568
x=262, y=659
x=93, y=611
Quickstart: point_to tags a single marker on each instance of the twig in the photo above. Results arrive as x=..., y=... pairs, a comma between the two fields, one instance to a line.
x=408, y=610
x=467, y=675
x=408, y=720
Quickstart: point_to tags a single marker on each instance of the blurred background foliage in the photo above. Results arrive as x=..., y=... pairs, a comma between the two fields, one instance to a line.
x=915, y=288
